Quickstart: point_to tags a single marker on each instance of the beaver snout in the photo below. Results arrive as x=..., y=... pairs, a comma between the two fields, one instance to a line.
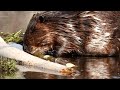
x=51, y=52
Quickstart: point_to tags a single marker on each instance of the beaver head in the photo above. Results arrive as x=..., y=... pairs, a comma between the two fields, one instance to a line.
x=61, y=33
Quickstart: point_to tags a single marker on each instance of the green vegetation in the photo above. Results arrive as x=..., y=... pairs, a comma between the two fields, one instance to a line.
x=14, y=37
x=7, y=67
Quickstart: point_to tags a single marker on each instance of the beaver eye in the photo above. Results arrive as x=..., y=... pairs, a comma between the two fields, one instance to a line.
x=41, y=18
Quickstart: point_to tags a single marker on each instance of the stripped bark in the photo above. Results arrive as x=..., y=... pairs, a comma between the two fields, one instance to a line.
x=28, y=59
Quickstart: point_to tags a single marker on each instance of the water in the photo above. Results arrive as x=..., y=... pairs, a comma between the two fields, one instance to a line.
x=88, y=67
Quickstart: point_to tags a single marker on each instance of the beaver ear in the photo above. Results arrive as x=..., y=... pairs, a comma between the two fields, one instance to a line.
x=41, y=19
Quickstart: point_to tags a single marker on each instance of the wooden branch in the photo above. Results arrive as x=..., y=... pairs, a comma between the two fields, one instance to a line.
x=28, y=59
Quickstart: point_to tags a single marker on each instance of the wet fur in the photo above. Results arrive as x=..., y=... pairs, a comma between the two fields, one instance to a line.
x=62, y=33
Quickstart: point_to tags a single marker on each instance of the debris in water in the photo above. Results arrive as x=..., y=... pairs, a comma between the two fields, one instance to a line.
x=70, y=65
x=68, y=72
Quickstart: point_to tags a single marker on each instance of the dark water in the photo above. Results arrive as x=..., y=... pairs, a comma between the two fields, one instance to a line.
x=88, y=67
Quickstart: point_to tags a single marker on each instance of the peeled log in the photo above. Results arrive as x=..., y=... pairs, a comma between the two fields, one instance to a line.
x=33, y=69
x=28, y=59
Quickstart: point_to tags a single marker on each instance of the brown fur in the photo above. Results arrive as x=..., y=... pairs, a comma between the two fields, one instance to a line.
x=62, y=33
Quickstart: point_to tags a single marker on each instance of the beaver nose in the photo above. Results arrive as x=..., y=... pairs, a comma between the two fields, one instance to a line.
x=51, y=52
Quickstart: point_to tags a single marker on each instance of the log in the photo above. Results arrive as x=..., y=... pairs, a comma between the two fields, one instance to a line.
x=28, y=59
x=26, y=68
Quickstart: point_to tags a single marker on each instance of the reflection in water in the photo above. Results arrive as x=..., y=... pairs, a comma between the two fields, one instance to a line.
x=16, y=75
x=89, y=68
x=101, y=68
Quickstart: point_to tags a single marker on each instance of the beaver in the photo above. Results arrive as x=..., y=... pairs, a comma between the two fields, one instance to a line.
x=73, y=33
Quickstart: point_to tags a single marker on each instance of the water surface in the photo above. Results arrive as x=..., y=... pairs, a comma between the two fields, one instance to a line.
x=88, y=67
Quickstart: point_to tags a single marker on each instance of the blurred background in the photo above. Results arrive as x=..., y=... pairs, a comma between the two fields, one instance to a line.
x=13, y=21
